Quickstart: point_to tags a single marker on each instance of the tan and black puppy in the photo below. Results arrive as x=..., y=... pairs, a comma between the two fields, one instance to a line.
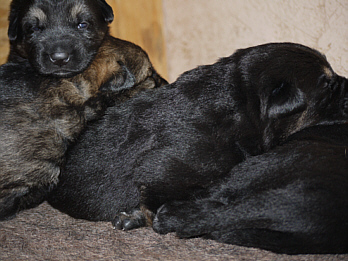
x=175, y=142
x=58, y=38
x=42, y=111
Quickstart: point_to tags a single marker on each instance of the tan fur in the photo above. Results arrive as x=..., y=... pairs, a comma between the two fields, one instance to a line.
x=77, y=9
x=37, y=13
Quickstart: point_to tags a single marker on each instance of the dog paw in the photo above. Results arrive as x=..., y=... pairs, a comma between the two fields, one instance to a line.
x=187, y=218
x=122, y=80
x=129, y=220
x=166, y=219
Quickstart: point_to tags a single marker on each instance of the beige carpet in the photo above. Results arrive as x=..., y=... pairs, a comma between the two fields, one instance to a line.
x=44, y=233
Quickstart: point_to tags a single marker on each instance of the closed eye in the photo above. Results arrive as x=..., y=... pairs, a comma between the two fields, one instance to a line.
x=328, y=83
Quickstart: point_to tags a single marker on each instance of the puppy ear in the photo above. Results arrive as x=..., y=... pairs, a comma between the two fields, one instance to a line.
x=13, y=24
x=106, y=11
x=286, y=99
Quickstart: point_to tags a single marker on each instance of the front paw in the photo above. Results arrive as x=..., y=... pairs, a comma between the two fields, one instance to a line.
x=133, y=219
x=166, y=219
x=186, y=218
x=122, y=80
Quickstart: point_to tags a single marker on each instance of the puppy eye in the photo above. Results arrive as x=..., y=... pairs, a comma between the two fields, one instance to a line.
x=30, y=29
x=36, y=29
x=83, y=25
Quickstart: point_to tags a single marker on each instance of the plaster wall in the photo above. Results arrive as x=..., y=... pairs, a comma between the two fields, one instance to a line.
x=200, y=31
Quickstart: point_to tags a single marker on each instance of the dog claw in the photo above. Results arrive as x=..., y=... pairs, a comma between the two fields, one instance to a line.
x=128, y=221
x=117, y=223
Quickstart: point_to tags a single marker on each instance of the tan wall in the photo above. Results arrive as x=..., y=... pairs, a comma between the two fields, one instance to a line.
x=199, y=31
x=4, y=44
x=141, y=22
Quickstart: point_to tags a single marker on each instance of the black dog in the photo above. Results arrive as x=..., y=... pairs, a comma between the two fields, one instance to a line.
x=41, y=114
x=181, y=138
x=292, y=199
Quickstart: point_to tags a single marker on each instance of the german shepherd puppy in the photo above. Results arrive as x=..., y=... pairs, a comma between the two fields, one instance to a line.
x=42, y=111
x=58, y=38
x=175, y=142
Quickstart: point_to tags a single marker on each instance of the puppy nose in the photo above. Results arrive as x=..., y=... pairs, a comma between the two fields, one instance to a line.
x=59, y=58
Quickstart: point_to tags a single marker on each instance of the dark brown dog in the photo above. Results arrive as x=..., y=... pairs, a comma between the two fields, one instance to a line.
x=42, y=114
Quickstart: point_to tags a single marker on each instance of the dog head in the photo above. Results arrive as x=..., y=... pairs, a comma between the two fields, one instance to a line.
x=295, y=88
x=58, y=37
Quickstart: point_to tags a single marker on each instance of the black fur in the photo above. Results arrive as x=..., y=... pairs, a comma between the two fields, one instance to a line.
x=175, y=141
x=292, y=199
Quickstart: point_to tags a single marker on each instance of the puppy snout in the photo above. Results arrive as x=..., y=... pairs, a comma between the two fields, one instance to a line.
x=59, y=58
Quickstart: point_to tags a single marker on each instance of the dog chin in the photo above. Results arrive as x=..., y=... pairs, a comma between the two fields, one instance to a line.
x=62, y=73
x=71, y=69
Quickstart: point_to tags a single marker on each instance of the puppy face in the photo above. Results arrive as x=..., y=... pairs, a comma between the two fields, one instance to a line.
x=59, y=38
x=295, y=86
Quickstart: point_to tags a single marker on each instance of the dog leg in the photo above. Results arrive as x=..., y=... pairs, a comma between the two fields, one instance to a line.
x=297, y=218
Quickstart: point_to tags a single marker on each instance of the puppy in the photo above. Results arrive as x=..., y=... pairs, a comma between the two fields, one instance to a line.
x=292, y=199
x=59, y=38
x=41, y=113
x=182, y=138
